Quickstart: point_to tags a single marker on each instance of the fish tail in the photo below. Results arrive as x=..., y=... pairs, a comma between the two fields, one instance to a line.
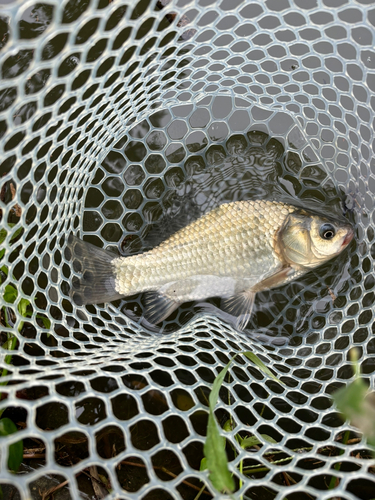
x=94, y=281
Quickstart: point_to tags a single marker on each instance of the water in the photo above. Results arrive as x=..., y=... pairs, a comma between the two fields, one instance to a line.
x=155, y=194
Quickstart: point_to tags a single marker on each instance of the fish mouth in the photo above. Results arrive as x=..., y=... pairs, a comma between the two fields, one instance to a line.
x=348, y=238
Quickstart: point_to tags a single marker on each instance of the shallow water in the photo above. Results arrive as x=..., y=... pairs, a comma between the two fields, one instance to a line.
x=147, y=202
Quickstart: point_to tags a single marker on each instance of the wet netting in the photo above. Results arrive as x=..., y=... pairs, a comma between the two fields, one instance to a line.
x=120, y=121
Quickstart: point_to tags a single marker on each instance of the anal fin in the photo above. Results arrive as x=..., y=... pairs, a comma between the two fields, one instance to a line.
x=240, y=305
x=158, y=307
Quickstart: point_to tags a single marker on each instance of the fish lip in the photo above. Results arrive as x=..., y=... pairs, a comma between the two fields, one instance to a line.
x=348, y=238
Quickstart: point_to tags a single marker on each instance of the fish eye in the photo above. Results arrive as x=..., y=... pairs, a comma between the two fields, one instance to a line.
x=327, y=231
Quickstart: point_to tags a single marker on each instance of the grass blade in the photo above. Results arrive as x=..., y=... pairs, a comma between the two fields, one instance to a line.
x=15, y=453
x=254, y=358
x=214, y=447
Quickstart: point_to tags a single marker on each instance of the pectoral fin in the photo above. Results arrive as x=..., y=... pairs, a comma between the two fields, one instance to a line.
x=279, y=278
x=158, y=307
x=240, y=305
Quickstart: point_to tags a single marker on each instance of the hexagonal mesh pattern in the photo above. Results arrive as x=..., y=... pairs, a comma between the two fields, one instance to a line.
x=117, y=122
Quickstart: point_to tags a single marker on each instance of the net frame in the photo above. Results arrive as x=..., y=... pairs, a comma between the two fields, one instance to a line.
x=62, y=113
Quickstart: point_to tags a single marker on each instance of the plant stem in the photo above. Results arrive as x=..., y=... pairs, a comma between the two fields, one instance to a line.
x=199, y=493
x=8, y=359
x=257, y=468
x=332, y=483
x=241, y=470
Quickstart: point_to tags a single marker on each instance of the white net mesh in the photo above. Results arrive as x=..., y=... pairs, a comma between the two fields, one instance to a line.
x=107, y=107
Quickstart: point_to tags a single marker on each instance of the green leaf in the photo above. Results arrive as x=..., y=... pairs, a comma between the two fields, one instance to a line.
x=203, y=465
x=358, y=407
x=22, y=306
x=16, y=233
x=7, y=427
x=254, y=358
x=10, y=293
x=250, y=441
x=8, y=344
x=227, y=427
x=214, y=394
x=3, y=235
x=15, y=456
x=268, y=438
x=46, y=322
x=216, y=458
x=254, y=441
x=214, y=447
x=349, y=399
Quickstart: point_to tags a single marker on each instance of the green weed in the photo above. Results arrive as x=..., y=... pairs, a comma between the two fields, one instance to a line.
x=215, y=459
x=25, y=310
x=354, y=402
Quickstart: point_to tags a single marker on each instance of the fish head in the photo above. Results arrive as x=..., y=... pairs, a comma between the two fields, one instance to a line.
x=308, y=240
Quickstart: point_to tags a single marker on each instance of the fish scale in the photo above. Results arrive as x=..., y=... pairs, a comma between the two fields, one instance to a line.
x=232, y=240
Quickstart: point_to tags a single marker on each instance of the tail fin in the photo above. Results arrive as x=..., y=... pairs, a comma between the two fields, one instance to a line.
x=96, y=282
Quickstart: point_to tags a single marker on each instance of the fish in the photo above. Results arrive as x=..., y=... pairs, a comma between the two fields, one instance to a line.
x=232, y=252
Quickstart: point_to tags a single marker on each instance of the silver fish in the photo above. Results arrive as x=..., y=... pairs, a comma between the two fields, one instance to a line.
x=232, y=252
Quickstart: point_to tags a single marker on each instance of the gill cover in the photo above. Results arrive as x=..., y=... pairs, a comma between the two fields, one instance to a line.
x=294, y=240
